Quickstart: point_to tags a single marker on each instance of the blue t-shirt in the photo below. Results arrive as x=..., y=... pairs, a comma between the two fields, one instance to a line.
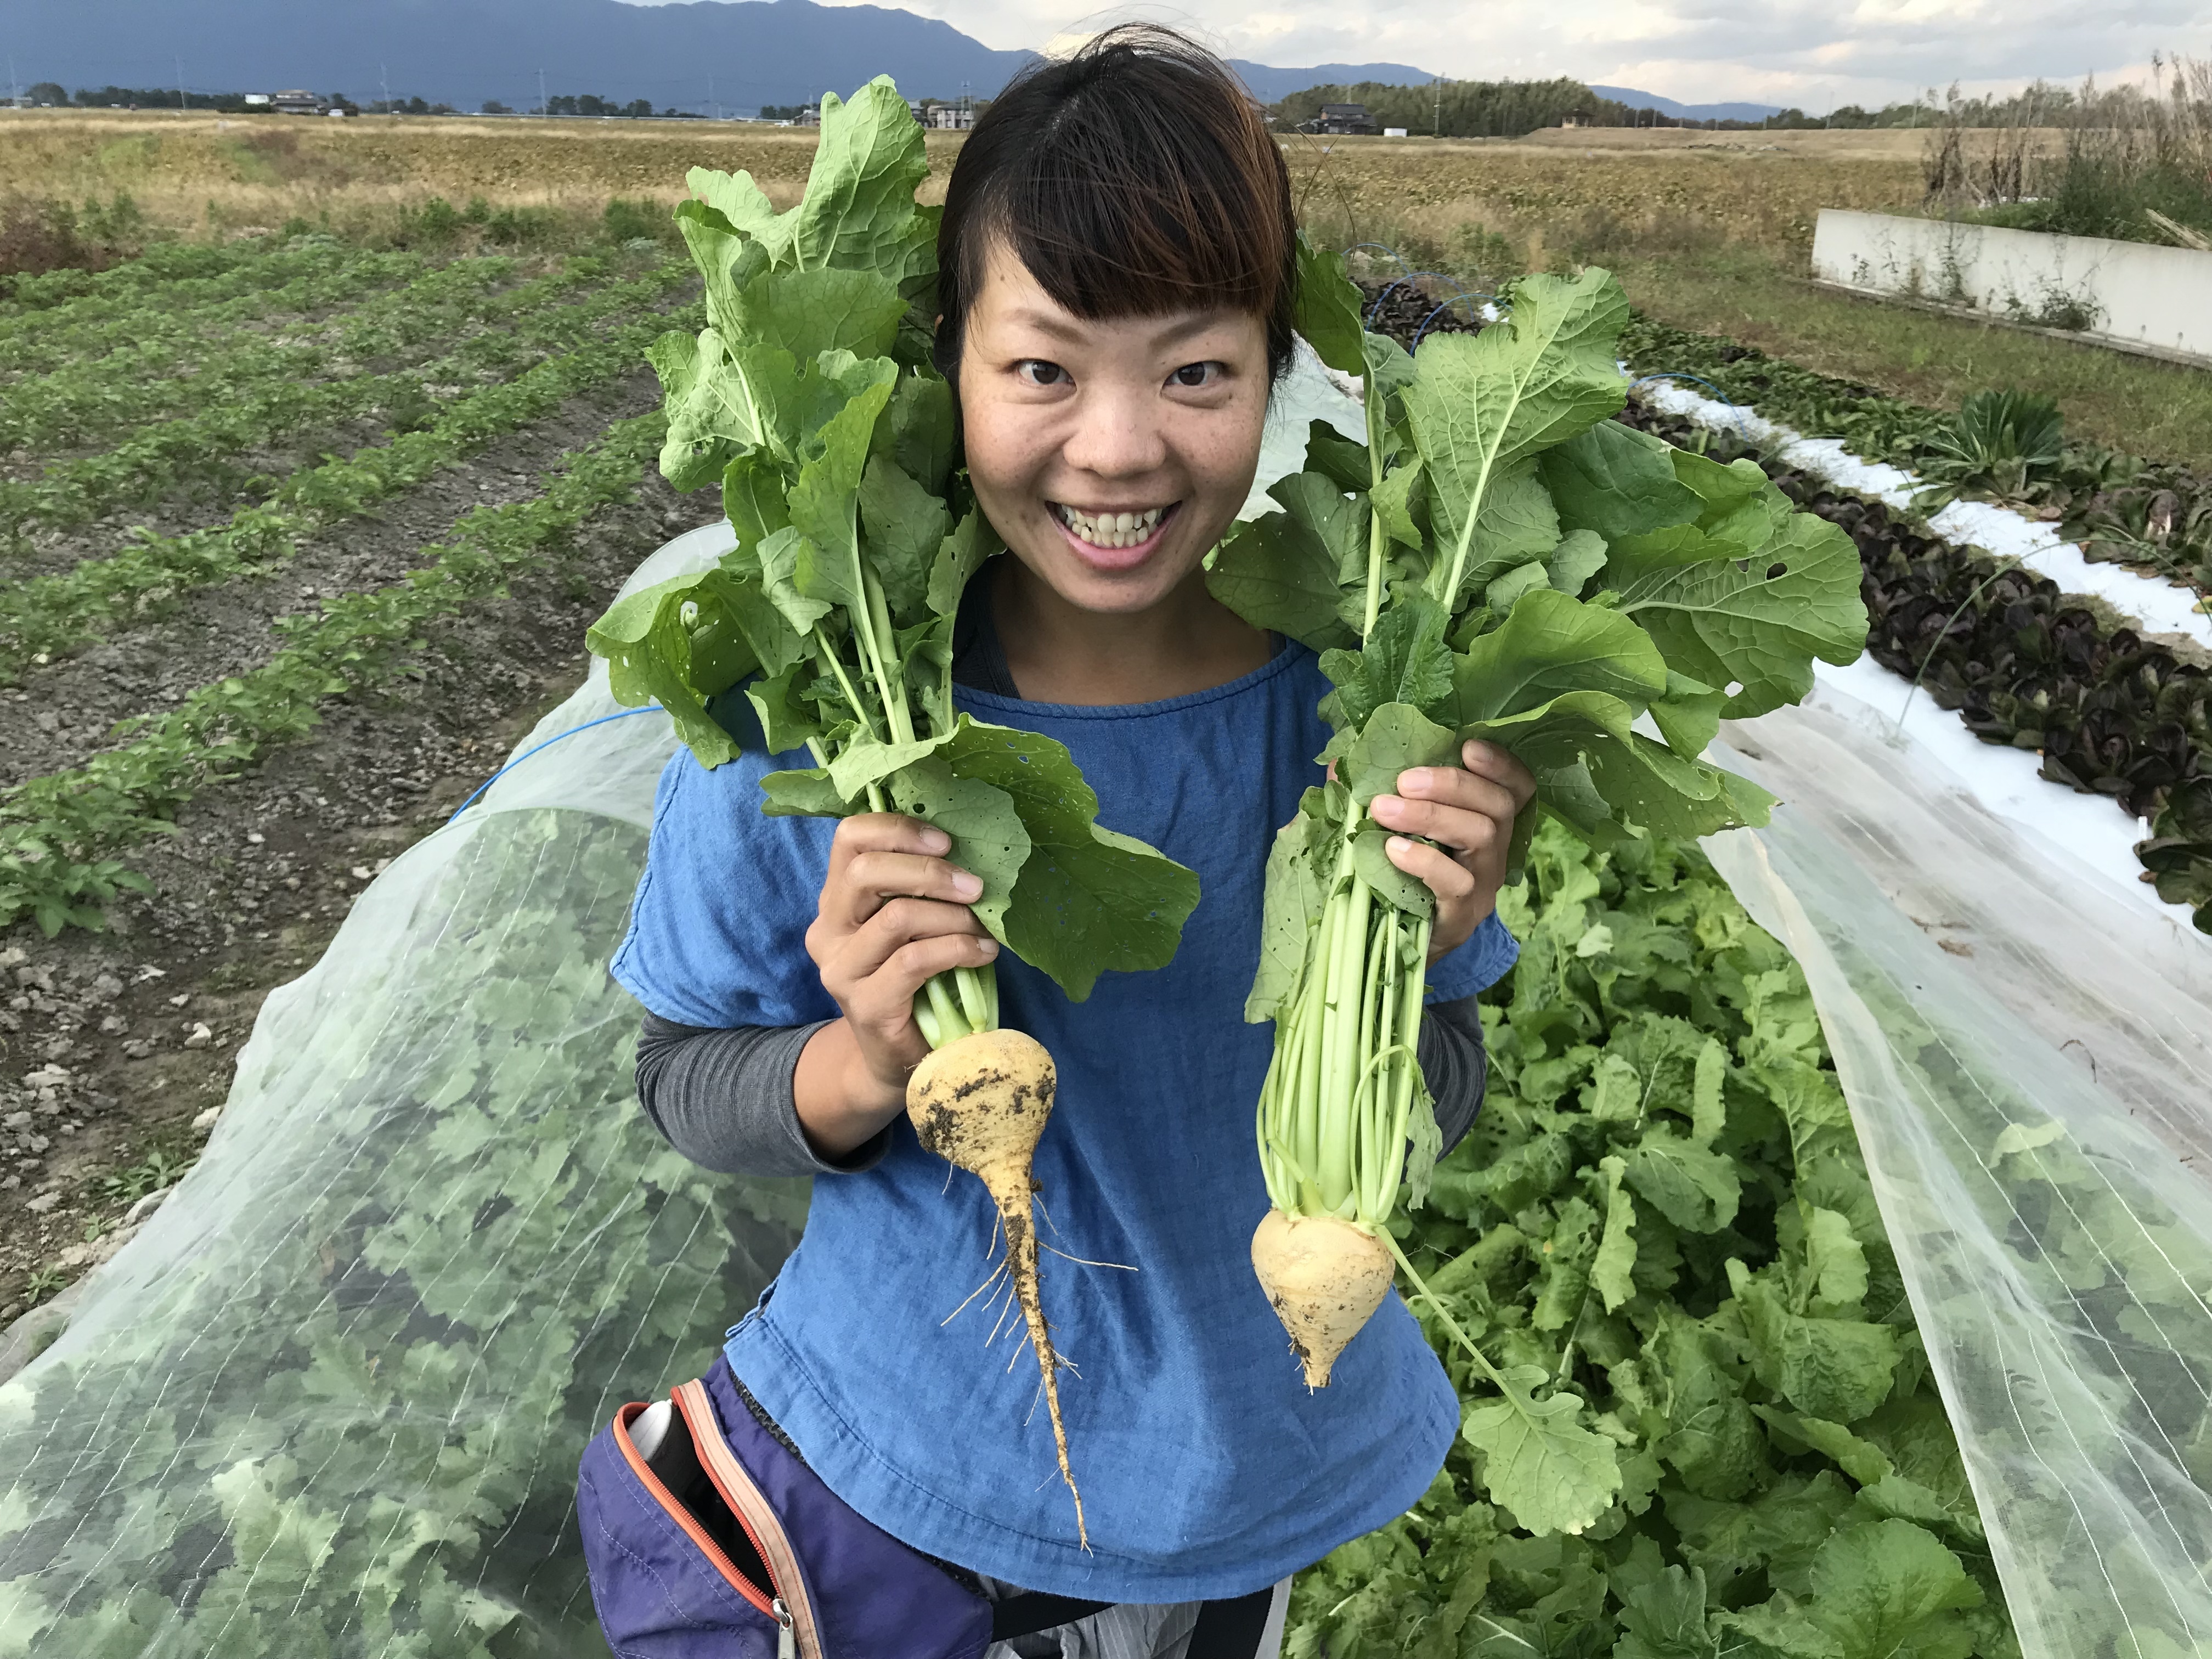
x=1208, y=1467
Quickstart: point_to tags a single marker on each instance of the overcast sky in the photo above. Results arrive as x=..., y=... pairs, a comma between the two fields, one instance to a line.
x=1813, y=53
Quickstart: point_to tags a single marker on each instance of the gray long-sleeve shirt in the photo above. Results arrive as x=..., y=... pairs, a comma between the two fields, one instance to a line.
x=723, y=1097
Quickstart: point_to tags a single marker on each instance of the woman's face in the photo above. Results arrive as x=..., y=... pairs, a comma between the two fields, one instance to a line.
x=1110, y=456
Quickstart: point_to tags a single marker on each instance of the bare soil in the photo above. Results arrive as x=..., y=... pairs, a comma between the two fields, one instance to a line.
x=116, y=1048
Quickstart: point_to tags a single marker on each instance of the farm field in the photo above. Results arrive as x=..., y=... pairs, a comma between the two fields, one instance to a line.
x=330, y=517
x=303, y=514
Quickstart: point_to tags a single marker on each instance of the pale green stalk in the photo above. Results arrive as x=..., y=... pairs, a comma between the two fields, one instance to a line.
x=951, y=1005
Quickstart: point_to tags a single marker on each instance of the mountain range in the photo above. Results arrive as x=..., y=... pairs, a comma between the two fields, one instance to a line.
x=699, y=56
x=1636, y=99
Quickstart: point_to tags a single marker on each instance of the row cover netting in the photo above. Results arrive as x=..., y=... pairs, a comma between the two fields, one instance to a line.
x=2029, y=1067
x=329, y=1401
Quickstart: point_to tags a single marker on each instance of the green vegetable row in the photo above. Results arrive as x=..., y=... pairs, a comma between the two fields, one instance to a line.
x=60, y=834
x=188, y=451
x=1663, y=1209
x=179, y=274
x=52, y=613
x=136, y=388
x=2002, y=446
x=327, y=277
x=167, y=266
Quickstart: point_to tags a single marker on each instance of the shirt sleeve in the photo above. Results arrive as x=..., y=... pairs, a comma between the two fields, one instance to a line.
x=1486, y=956
x=717, y=933
x=1456, y=1063
x=723, y=1099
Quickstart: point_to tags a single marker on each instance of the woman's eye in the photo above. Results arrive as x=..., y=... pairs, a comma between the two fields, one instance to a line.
x=1196, y=375
x=1034, y=371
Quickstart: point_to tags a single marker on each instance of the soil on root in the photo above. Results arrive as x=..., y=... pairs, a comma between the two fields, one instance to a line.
x=116, y=1048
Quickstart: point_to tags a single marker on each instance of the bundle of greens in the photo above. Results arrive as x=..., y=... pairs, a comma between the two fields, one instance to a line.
x=811, y=397
x=1500, y=561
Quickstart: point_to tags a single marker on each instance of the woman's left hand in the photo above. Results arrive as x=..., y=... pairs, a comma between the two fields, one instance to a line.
x=1470, y=815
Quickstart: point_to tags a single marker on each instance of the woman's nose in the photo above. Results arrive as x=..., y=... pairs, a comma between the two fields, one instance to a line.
x=1117, y=433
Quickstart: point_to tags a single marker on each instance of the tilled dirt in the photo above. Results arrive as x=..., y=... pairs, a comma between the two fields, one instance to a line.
x=115, y=1047
x=204, y=633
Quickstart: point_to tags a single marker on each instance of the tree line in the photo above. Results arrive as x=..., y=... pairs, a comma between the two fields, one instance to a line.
x=1511, y=109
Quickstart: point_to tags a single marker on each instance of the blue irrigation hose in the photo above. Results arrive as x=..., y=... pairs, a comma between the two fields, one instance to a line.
x=1386, y=248
x=1440, y=311
x=650, y=709
x=1741, y=430
x=1404, y=282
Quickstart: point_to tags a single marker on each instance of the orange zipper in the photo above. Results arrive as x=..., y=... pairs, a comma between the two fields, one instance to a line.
x=714, y=1553
x=793, y=1611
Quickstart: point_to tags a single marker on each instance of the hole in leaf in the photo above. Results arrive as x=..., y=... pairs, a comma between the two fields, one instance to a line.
x=1777, y=570
x=1735, y=687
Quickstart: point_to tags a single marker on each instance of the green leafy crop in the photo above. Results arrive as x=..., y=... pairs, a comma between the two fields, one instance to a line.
x=1663, y=1217
x=811, y=398
x=1501, y=562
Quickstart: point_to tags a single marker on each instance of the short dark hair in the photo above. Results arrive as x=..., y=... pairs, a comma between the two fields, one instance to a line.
x=1135, y=177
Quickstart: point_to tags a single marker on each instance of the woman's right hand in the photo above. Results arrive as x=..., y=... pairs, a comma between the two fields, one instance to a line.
x=893, y=913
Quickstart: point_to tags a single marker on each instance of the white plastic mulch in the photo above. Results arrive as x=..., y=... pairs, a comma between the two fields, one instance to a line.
x=2094, y=832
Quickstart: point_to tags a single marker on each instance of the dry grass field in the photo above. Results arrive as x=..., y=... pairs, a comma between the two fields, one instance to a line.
x=1710, y=231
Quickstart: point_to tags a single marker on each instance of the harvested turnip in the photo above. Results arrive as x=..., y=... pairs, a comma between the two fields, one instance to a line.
x=980, y=1103
x=1324, y=1277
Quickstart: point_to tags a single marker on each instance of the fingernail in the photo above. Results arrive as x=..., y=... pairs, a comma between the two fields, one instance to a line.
x=1398, y=845
x=990, y=949
x=936, y=840
x=965, y=885
x=1415, y=782
x=1383, y=804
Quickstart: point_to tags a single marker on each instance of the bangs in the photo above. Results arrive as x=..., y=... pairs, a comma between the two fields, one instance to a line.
x=1135, y=178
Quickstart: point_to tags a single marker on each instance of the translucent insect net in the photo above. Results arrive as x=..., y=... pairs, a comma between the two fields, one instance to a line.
x=330, y=1400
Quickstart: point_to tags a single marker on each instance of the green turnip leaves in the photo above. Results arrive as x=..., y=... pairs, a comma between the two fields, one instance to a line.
x=1582, y=593
x=810, y=400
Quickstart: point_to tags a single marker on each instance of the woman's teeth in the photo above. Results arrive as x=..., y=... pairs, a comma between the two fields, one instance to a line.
x=1111, y=529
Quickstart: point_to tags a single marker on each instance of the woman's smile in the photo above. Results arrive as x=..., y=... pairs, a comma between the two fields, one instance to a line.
x=1111, y=539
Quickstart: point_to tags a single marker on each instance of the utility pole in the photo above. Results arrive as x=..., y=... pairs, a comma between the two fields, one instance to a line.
x=711, y=98
x=384, y=80
x=179, y=62
x=1436, y=86
x=541, y=92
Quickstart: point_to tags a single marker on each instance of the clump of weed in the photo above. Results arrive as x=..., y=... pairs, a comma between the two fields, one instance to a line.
x=626, y=222
x=38, y=236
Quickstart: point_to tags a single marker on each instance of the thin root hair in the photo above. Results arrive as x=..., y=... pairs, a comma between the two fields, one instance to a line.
x=997, y=1273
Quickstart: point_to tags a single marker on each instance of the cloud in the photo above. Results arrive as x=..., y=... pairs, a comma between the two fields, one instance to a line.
x=1811, y=53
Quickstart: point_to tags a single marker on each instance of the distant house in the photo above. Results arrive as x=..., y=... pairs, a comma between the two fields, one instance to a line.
x=298, y=103
x=1576, y=118
x=1341, y=119
x=810, y=116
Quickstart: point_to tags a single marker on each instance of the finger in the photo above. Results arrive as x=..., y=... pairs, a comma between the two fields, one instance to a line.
x=902, y=922
x=1452, y=787
x=1501, y=766
x=871, y=880
x=1459, y=828
x=884, y=832
x=1452, y=882
x=885, y=996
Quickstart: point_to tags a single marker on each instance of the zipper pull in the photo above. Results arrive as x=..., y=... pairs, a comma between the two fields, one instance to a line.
x=787, y=1639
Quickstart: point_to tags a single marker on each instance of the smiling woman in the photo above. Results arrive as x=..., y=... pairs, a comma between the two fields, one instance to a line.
x=1116, y=275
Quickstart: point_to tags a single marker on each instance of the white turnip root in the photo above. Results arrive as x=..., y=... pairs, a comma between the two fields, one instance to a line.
x=980, y=1103
x=1324, y=1277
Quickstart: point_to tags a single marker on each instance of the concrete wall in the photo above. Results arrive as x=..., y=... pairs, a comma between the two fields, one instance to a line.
x=2160, y=297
